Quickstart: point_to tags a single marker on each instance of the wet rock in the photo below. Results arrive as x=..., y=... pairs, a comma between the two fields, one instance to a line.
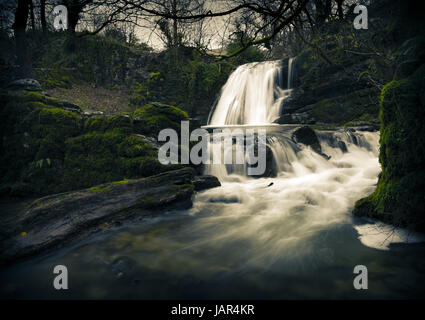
x=342, y=146
x=58, y=219
x=308, y=137
x=205, y=182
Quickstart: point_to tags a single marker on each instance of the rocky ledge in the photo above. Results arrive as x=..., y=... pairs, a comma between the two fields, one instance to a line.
x=56, y=220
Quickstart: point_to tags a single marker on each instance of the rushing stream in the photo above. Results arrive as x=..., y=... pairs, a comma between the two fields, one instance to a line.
x=287, y=237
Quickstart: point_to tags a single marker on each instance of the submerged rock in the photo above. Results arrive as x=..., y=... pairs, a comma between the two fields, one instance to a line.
x=308, y=137
x=56, y=220
x=122, y=266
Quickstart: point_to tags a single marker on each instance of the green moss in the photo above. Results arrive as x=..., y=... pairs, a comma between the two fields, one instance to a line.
x=97, y=123
x=45, y=200
x=98, y=189
x=366, y=117
x=96, y=158
x=400, y=195
x=153, y=118
x=122, y=181
x=120, y=122
x=353, y=106
x=34, y=135
x=54, y=78
x=36, y=98
x=47, y=149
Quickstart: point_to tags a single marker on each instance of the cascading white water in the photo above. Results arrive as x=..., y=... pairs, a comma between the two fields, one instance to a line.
x=253, y=94
x=290, y=72
x=319, y=187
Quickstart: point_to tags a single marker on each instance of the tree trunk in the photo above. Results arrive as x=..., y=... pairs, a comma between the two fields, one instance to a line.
x=328, y=8
x=32, y=15
x=319, y=12
x=43, y=15
x=74, y=9
x=175, y=32
x=73, y=16
x=19, y=26
x=340, y=11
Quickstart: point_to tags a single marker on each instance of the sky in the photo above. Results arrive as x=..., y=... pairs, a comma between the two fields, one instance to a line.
x=214, y=29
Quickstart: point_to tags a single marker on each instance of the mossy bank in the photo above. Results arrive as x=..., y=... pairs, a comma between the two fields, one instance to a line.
x=48, y=147
x=400, y=194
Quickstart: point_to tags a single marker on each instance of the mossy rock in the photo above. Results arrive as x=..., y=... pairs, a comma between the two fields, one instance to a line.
x=400, y=195
x=48, y=149
x=96, y=158
x=121, y=122
x=33, y=141
x=152, y=118
x=347, y=108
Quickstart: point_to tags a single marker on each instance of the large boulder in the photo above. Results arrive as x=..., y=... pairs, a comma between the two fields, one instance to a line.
x=59, y=219
x=153, y=117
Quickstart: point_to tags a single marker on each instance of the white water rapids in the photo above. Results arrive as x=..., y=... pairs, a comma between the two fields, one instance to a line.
x=309, y=193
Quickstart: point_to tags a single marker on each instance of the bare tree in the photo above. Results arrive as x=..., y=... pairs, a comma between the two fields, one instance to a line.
x=340, y=9
x=19, y=26
x=43, y=15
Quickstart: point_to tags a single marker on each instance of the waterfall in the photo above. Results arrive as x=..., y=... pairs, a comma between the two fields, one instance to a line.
x=252, y=95
x=290, y=72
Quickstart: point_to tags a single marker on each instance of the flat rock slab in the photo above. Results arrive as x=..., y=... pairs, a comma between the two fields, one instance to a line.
x=56, y=220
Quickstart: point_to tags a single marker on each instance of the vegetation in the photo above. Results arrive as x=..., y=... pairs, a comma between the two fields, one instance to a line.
x=399, y=196
x=47, y=149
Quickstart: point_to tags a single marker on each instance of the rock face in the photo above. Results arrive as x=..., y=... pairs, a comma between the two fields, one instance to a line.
x=399, y=196
x=25, y=84
x=53, y=221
